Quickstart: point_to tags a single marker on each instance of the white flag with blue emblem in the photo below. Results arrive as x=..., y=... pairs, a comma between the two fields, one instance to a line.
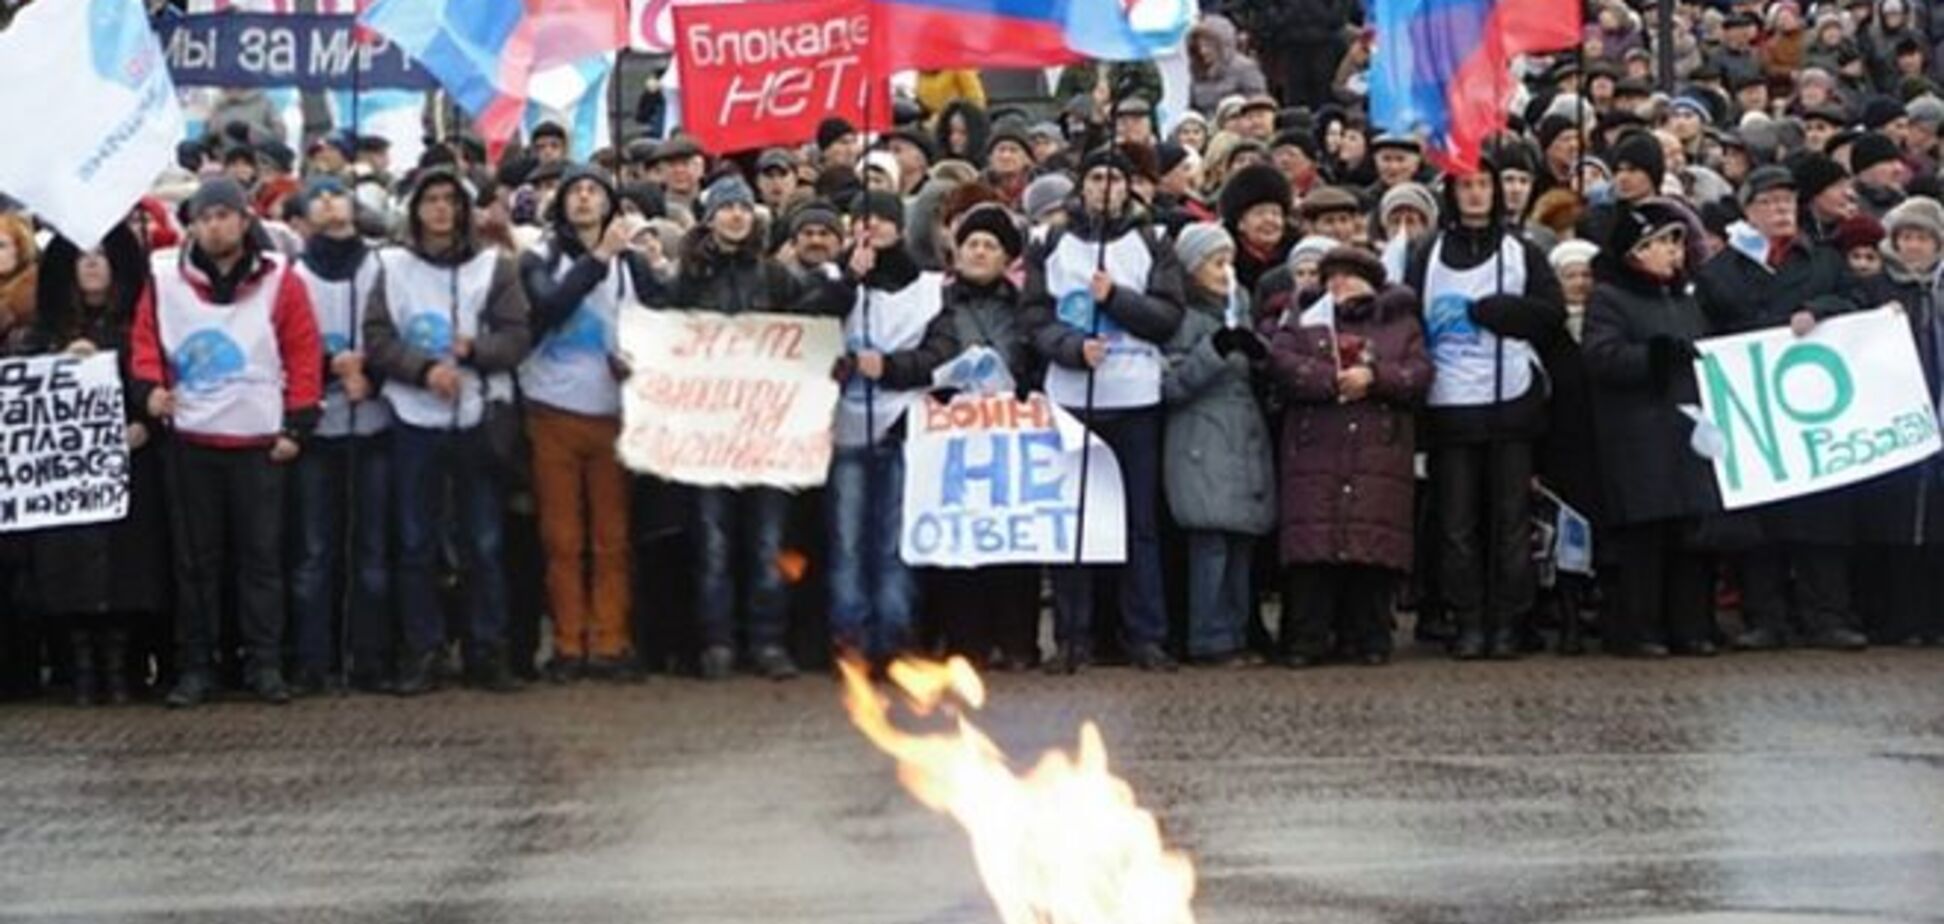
x=86, y=80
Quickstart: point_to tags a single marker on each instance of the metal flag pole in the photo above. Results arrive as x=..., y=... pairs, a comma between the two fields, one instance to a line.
x=353, y=469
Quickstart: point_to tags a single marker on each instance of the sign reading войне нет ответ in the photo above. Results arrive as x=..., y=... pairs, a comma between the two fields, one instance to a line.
x=1800, y=415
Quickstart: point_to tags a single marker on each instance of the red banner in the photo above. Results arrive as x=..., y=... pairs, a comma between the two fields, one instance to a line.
x=763, y=74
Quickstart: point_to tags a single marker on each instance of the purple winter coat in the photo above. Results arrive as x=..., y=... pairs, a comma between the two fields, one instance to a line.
x=1347, y=477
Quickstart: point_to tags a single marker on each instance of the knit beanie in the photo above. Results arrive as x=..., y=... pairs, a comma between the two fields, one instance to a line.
x=729, y=190
x=1409, y=196
x=1045, y=194
x=1198, y=242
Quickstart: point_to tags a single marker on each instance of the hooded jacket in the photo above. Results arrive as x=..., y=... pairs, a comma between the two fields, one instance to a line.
x=1228, y=73
x=553, y=297
x=299, y=348
x=504, y=336
x=1151, y=313
x=978, y=127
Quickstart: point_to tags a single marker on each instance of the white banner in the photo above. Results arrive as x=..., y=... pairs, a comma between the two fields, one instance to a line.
x=1792, y=416
x=85, y=80
x=996, y=481
x=729, y=400
x=63, y=442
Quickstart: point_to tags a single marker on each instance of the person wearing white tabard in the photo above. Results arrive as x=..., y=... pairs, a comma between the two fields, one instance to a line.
x=1102, y=311
x=579, y=281
x=448, y=325
x=348, y=456
x=896, y=335
x=1489, y=296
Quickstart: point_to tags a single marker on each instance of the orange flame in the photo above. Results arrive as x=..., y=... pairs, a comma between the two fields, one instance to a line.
x=1064, y=844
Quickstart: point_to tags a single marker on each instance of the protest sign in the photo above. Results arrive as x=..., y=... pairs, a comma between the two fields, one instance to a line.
x=1797, y=416
x=762, y=74
x=63, y=442
x=729, y=400
x=309, y=52
x=994, y=480
x=86, y=80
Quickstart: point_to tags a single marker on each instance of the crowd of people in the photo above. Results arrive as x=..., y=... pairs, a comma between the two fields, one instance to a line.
x=1347, y=382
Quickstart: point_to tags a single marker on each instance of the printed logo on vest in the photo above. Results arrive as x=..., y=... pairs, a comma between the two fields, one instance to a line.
x=208, y=360
x=429, y=332
x=583, y=334
x=1077, y=311
x=1449, y=317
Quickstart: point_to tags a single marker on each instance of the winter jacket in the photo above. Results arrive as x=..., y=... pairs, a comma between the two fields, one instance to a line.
x=991, y=316
x=123, y=566
x=1638, y=333
x=937, y=89
x=1347, y=477
x=1151, y=313
x=738, y=280
x=1228, y=73
x=1282, y=23
x=1906, y=507
x=1216, y=463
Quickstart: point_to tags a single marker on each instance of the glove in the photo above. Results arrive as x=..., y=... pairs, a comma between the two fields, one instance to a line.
x=842, y=370
x=1226, y=341
x=1664, y=356
x=1253, y=346
x=1495, y=312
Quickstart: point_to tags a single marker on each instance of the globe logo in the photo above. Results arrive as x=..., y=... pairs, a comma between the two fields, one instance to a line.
x=207, y=360
x=429, y=332
x=1449, y=316
x=120, y=46
x=584, y=334
x=336, y=343
x=1077, y=309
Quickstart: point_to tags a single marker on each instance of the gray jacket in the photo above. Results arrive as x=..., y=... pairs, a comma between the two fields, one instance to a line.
x=1217, y=463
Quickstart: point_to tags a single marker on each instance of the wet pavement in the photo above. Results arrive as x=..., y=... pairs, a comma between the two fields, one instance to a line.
x=1780, y=788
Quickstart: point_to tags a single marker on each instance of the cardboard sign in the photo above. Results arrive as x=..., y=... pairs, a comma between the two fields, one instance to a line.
x=995, y=480
x=762, y=74
x=63, y=442
x=729, y=400
x=1798, y=415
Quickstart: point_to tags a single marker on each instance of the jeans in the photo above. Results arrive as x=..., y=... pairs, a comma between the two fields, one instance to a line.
x=1135, y=437
x=434, y=467
x=871, y=589
x=583, y=498
x=1219, y=602
x=1484, y=510
x=745, y=524
x=228, y=521
x=326, y=497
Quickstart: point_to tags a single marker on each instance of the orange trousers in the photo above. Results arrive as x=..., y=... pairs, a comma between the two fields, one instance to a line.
x=583, y=498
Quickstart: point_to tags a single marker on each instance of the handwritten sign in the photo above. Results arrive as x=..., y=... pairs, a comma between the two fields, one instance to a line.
x=729, y=400
x=1800, y=415
x=995, y=480
x=63, y=442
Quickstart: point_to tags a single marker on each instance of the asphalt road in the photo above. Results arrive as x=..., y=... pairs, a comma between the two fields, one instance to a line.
x=1753, y=788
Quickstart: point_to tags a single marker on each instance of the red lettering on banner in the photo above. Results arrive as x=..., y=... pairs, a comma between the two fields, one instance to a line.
x=763, y=74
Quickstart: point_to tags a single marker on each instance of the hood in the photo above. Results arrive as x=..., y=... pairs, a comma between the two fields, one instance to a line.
x=566, y=238
x=978, y=127
x=1220, y=29
x=1449, y=220
x=468, y=235
x=56, y=307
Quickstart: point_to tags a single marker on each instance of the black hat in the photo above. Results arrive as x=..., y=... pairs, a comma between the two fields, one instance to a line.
x=220, y=192
x=646, y=198
x=1880, y=111
x=1633, y=224
x=240, y=152
x=549, y=129
x=676, y=148
x=832, y=130
x=1763, y=179
x=640, y=151
x=1252, y=186
x=906, y=112
x=991, y=218
x=1744, y=79
x=776, y=159
x=1815, y=172
x=278, y=153
x=884, y=205
x=1299, y=139
x=1633, y=86
x=1551, y=127
x=1872, y=149
x=1009, y=131
x=1828, y=112
x=1643, y=151
x=1105, y=157
x=1353, y=260
x=1168, y=155
x=914, y=136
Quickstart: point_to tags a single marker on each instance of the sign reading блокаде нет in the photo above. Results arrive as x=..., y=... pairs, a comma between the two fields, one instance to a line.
x=1799, y=415
x=63, y=442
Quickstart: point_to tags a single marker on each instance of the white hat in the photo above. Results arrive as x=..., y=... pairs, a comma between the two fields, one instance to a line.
x=1572, y=253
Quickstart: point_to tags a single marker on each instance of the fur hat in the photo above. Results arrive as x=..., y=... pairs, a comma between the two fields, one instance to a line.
x=1815, y=172
x=991, y=218
x=1872, y=149
x=1916, y=213
x=1257, y=184
x=1353, y=260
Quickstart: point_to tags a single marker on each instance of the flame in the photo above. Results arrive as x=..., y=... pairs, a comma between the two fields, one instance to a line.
x=1063, y=844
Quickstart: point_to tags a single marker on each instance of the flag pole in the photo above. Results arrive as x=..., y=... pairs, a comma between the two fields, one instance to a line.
x=351, y=514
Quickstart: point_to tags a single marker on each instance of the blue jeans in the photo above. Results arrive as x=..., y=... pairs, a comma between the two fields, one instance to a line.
x=1135, y=437
x=326, y=498
x=745, y=524
x=871, y=589
x=432, y=467
x=1218, y=592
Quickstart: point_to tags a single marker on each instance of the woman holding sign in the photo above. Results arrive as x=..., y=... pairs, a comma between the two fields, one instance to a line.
x=101, y=582
x=1639, y=348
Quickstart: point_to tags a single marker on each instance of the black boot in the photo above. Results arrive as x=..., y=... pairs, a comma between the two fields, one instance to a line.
x=495, y=673
x=114, y=666
x=1471, y=644
x=85, y=680
x=1507, y=644
x=417, y=675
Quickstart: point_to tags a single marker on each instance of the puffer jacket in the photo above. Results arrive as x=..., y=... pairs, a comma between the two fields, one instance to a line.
x=1216, y=463
x=1227, y=73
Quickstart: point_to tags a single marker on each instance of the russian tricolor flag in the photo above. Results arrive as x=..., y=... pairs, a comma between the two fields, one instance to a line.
x=1443, y=67
x=485, y=52
x=935, y=34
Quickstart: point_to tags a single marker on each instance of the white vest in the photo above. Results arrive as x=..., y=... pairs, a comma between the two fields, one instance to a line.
x=1461, y=351
x=1131, y=375
x=569, y=369
x=432, y=306
x=226, y=370
x=898, y=322
x=339, y=307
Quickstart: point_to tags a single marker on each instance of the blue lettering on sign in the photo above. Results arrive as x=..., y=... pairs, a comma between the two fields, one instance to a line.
x=1031, y=531
x=1032, y=488
x=996, y=472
